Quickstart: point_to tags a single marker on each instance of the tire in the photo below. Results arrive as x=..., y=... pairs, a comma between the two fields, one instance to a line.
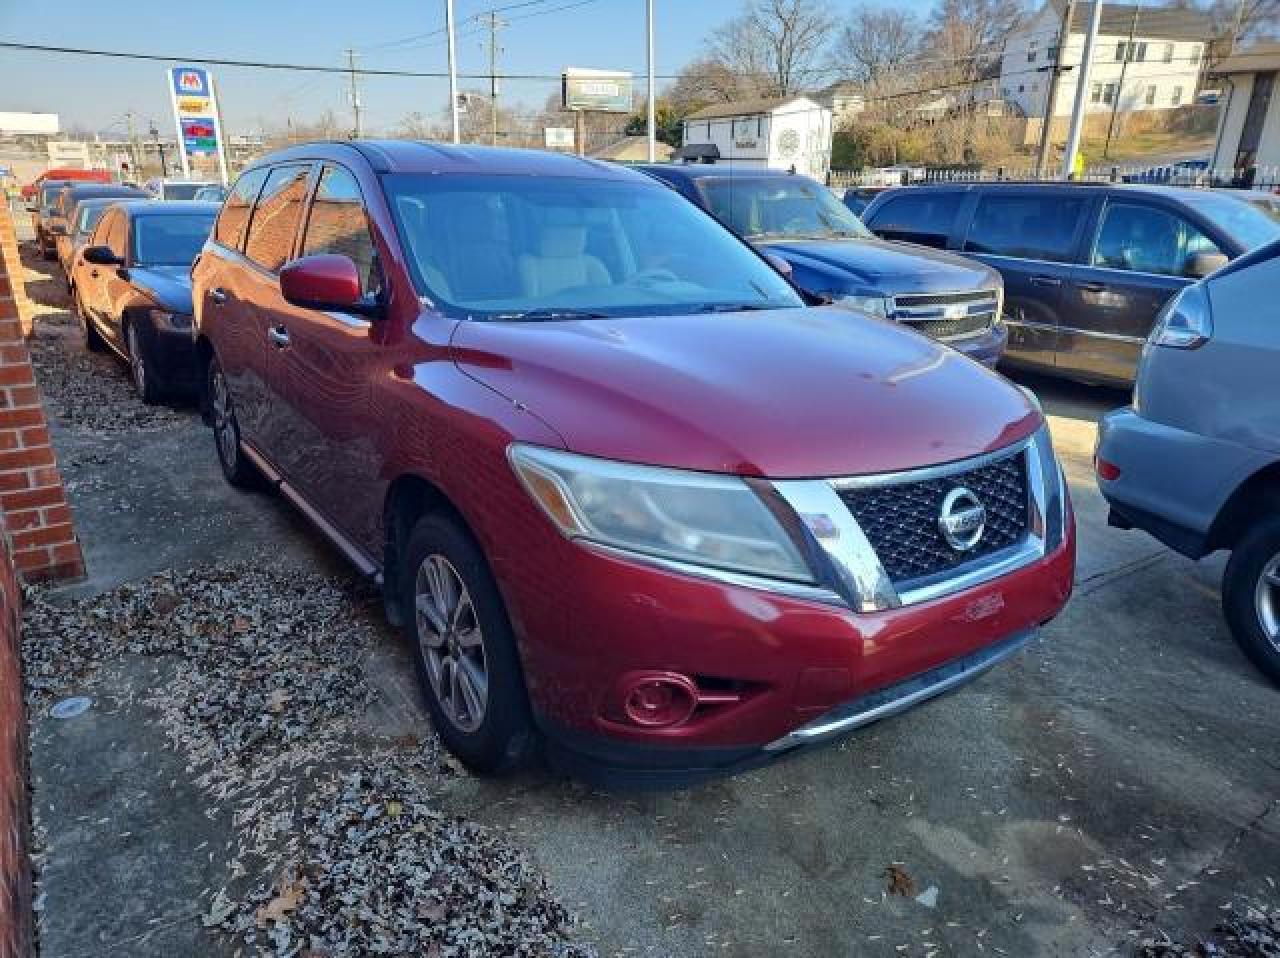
x=140, y=370
x=226, y=431
x=48, y=252
x=487, y=727
x=1251, y=595
x=93, y=340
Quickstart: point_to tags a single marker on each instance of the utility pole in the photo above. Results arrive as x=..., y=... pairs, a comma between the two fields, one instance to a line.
x=1124, y=69
x=1082, y=91
x=355, y=92
x=495, y=24
x=135, y=166
x=651, y=125
x=453, y=71
x=1051, y=100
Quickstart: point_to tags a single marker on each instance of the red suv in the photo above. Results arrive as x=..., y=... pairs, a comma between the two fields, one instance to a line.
x=624, y=492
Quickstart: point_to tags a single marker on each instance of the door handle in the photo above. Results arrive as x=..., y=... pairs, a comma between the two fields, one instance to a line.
x=1093, y=287
x=1046, y=281
x=279, y=336
x=93, y=273
x=217, y=295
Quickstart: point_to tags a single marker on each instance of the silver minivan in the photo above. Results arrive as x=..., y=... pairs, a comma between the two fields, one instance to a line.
x=1195, y=461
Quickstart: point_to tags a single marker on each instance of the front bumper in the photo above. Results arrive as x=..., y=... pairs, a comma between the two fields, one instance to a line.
x=805, y=671
x=1172, y=483
x=172, y=355
x=986, y=348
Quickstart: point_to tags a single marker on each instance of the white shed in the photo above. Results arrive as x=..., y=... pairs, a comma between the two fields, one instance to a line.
x=780, y=133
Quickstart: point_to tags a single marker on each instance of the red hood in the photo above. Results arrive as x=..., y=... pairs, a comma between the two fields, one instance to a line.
x=785, y=394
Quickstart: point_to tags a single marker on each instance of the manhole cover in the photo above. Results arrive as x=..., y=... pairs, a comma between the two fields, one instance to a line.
x=70, y=708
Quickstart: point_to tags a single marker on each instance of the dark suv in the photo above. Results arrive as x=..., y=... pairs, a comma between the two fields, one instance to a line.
x=834, y=258
x=1087, y=267
x=620, y=485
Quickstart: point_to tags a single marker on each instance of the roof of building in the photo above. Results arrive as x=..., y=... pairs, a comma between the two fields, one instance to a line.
x=1118, y=19
x=1255, y=59
x=743, y=107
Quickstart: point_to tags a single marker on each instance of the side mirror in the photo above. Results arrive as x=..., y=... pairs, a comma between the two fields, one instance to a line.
x=323, y=281
x=102, y=256
x=779, y=264
x=1200, y=265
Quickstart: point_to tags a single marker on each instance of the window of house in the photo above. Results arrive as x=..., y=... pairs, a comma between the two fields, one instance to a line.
x=1147, y=240
x=1109, y=94
x=338, y=224
x=1022, y=88
x=1029, y=225
x=1168, y=53
x=1194, y=56
x=276, y=216
x=1142, y=52
x=231, y=224
x=1095, y=94
x=1121, y=49
x=1150, y=98
x=1177, y=95
x=1031, y=51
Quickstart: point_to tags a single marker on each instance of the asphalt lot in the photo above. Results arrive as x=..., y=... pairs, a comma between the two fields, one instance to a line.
x=1116, y=781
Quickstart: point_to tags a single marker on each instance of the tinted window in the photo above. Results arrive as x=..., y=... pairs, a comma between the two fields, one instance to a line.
x=1029, y=225
x=102, y=230
x=497, y=247
x=1249, y=224
x=169, y=240
x=235, y=212
x=1148, y=240
x=338, y=224
x=87, y=216
x=780, y=206
x=276, y=217
x=48, y=194
x=181, y=191
x=925, y=217
x=116, y=233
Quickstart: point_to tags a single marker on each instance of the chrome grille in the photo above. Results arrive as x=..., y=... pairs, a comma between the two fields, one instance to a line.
x=947, y=316
x=900, y=520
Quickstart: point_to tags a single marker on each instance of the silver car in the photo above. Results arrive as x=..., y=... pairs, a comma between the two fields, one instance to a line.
x=1195, y=461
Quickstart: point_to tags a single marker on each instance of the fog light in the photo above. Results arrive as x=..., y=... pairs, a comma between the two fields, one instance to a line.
x=659, y=699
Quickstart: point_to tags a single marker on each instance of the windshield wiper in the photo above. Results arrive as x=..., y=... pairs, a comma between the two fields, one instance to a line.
x=537, y=315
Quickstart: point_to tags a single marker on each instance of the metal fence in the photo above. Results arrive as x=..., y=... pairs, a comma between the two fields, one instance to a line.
x=1257, y=177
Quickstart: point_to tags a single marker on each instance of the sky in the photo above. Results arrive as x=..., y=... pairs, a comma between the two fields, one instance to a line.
x=95, y=93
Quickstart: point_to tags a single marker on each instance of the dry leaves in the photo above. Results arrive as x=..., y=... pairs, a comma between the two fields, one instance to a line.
x=900, y=883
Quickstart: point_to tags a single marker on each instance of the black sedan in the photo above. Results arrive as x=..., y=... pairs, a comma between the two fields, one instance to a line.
x=132, y=290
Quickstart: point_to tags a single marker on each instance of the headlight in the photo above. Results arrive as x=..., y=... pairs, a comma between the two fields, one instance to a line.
x=700, y=518
x=1186, y=320
x=165, y=318
x=875, y=305
x=1049, y=486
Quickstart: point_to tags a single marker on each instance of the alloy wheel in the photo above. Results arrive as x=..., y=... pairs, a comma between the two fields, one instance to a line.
x=137, y=365
x=451, y=642
x=224, y=423
x=1267, y=600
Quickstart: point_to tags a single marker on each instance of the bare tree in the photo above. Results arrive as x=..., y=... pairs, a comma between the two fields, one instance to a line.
x=774, y=46
x=705, y=81
x=963, y=34
x=875, y=43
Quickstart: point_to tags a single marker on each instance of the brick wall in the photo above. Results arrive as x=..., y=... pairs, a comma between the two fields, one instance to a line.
x=32, y=500
x=12, y=263
x=15, y=867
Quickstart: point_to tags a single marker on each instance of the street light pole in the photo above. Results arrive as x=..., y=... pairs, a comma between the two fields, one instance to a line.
x=453, y=71
x=1082, y=91
x=651, y=125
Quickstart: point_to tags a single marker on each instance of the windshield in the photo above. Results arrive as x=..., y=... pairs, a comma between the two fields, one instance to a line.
x=527, y=247
x=88, y=216
x=777, y=207
x=169, y=240
x=1242, y=221
x=182, y=191
x=48, y=194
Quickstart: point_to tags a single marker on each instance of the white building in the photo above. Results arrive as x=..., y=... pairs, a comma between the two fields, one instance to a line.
x=1249, y=121
x=1145, y=58
x=845, y=100
x=781, y=134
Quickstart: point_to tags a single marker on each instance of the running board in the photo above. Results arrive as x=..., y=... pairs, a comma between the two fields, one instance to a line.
x=355, y=555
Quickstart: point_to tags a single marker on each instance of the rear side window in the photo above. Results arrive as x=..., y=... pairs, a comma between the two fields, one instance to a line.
x=925, y=217
x=338, y=224
x=1147, y=240
x=234, y=217
x=117, y=234
x=1028, y=225
x=276, y=217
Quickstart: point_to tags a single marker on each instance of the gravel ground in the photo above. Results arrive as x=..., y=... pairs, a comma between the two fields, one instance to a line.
x=339, y=846
x=1252, y=932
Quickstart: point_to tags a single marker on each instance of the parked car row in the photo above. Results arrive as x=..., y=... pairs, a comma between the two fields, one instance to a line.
x=654, y=466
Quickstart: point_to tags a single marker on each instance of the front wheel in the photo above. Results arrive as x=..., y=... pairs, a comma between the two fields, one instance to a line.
x=1251, y=595
x=226, y=430
x=140, y=371
x=464, y=648
x=93, y=340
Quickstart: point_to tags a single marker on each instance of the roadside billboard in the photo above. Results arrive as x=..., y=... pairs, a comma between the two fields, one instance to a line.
x=195, y=114
x=596, y=91
x=29, y=124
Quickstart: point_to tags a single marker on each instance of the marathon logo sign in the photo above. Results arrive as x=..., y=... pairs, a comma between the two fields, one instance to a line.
x=195, y=113
x=190, y=81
